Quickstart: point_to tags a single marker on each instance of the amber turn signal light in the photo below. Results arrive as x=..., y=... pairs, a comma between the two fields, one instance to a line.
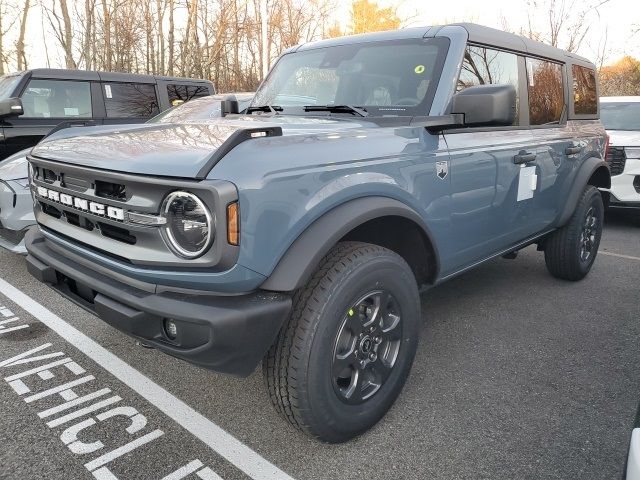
x=233, y=224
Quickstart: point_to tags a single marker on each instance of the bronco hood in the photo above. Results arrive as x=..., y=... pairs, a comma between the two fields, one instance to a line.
x=174, y=150
x=187, y=150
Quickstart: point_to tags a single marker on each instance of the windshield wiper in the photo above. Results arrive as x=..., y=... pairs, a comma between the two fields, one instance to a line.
x=265, y=108
x=337, y=108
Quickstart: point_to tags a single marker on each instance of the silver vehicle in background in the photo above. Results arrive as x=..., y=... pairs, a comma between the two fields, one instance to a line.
x=621, y=118
x=16, y=205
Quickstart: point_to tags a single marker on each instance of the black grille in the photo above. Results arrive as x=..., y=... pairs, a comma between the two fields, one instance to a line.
x=117, y=233
x=616, y=158
x=51, y=210
x=49, y=176
x=114, y=191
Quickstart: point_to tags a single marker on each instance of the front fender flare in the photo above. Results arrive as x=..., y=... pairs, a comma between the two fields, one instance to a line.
x=588, y=168
x=301, y=259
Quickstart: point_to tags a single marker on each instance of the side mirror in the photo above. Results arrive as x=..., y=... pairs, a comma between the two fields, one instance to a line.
x=486, y=105
x=11, y=107
x=229, y=104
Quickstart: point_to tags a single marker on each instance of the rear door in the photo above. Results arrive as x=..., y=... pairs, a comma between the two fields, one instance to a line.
x=486, y=215
x=47, y=103
x=129, y=102
x=555, y=149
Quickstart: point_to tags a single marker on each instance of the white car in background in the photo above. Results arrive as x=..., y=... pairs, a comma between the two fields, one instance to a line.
x=632, y=471
x=621, y=118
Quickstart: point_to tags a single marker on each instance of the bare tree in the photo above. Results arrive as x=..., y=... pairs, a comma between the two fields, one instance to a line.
x=20, y=49
x=567, y=21
x=62, y=29
x=8, y=16
x=215, y=39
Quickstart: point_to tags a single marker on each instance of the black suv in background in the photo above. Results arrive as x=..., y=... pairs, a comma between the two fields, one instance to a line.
x=34, y=102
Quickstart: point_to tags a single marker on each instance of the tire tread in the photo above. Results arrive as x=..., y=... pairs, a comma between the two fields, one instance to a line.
x=282, y=362
x=561, y=261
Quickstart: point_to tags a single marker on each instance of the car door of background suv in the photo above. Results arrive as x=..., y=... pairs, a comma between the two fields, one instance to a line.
x=486, y=217
x=552, y=136
x=48, y=102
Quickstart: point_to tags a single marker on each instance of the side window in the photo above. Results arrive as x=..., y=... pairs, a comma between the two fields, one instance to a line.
x=57, y=99
x=546, y=93
x=585, y=99
x=183, y=93
x=484, y=66
x=130, y=100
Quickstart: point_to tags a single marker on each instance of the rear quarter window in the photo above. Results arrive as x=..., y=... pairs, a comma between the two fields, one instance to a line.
x=585, y=97
x=183, y=93
x=124, y=100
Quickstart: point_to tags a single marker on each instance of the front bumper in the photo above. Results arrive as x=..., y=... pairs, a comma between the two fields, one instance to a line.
x=625, y=187
x=615, y=202
x=228, y=334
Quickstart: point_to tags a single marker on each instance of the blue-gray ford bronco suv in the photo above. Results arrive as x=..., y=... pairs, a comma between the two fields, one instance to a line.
x=300, y=233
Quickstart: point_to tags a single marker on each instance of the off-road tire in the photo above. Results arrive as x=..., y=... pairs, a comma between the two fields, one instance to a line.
x=297, y=368
x=562, y=250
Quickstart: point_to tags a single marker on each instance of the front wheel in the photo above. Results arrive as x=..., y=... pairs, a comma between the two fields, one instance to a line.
x=571, y=250
x=342, y=359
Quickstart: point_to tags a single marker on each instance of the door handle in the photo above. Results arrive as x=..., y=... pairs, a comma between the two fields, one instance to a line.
x=573, y=150
x=524, y=157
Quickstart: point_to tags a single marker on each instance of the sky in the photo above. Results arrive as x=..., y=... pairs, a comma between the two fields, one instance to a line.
x=616, y=18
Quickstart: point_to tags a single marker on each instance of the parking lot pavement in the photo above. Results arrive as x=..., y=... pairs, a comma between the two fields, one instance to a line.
x=518, y=375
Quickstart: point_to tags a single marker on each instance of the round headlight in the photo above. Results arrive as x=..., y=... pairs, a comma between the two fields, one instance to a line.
x=190, y=225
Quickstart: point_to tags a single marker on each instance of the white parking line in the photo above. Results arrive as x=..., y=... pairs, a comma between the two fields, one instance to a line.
x=611, y=254
x=195, y=423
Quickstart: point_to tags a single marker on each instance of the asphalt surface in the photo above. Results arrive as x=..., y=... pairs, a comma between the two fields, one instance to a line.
x=518, y=375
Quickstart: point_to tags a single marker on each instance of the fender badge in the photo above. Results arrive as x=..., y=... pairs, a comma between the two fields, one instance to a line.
x=442, y=169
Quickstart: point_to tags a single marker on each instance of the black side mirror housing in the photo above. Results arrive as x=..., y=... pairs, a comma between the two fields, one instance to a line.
x=485, y=105
x=11, y=107
x=229, y=105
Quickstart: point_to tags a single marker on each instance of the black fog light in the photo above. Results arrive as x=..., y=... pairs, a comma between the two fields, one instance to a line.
x=170, y=329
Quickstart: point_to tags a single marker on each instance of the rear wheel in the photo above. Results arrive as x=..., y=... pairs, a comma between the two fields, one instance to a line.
x=571, y=250
x=343, y=358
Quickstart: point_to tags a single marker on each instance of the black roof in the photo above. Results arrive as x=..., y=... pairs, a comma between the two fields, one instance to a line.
x=476, y=34
x=510, y=41
x=103, y=76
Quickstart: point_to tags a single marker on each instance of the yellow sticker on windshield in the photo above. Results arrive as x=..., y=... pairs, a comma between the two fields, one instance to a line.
x=419, y=69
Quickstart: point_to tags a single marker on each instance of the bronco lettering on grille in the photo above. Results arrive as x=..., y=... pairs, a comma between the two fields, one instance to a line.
x=95, y=208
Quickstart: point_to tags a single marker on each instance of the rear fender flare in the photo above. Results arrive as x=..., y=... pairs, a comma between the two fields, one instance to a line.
x=588, y=168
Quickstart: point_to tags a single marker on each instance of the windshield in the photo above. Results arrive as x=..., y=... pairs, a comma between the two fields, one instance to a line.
x=199, y=109
x=620, y=115
x=385, y=78
x=7, y=85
